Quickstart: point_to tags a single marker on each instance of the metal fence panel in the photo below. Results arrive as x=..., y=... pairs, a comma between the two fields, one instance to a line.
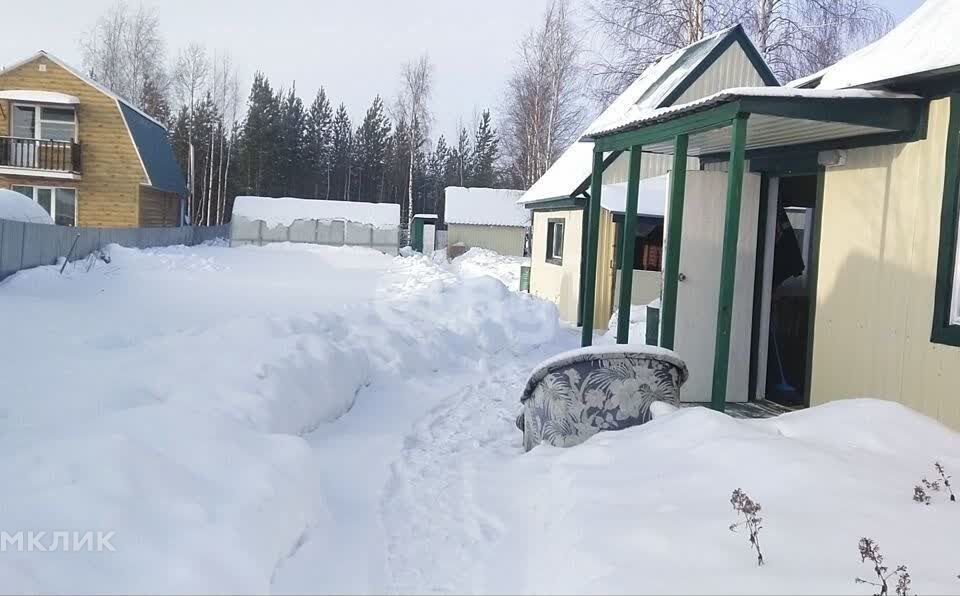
x=27, y=245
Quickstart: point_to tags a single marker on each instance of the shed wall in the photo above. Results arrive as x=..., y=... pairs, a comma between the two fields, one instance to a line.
x=506, y=240
x=877, y=271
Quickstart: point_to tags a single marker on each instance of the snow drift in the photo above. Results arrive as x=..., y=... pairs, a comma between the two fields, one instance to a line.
x=166, y=396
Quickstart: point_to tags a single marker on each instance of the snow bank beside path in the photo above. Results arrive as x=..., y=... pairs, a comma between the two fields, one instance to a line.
x=164, y=397
x=480, y=261
x=647, y=510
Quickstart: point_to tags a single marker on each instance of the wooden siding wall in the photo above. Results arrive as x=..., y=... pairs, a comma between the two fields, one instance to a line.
x=878, y=259
x=111, y=171
x=158, y=208
x=506, y=240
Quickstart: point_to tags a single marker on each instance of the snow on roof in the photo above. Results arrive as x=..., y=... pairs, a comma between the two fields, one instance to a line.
x=636, y=118
x=286, y=210
x=648, y=92
x=49, y=97
x=651, y=200
x=484, y=206
x=17, y=207
x=925, y=41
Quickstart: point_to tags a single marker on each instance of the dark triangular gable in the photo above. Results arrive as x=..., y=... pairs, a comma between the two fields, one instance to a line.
x=155, y=151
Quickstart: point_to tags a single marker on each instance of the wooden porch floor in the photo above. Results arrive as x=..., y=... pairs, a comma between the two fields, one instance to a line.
x=751, y=409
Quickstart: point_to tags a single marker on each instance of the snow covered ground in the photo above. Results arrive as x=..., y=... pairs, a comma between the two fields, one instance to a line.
x=311, y=419
x=480, y=261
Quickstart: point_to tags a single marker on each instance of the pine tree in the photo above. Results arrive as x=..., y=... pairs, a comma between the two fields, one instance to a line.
x=485, y=149
x=462, y=159
x=318, y=141
x=259, y=139
x=289, y=160
x=370, y=153
x=436, y=174
x=342, y=155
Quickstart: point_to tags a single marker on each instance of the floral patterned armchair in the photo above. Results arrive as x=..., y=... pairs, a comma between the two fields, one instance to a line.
x=575, y=395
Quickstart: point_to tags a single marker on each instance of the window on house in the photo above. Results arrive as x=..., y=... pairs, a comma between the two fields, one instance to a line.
x=60, y=203
x=946, y=315
x=555, y=241
x=58, y=124
x=44, y=123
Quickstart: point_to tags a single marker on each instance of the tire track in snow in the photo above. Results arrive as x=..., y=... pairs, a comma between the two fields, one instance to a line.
x=439, y=535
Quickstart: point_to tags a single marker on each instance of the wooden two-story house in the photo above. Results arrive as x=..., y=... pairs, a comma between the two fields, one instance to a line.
x=85, y=154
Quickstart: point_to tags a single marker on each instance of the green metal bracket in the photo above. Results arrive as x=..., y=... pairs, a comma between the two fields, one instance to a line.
x=628, y=244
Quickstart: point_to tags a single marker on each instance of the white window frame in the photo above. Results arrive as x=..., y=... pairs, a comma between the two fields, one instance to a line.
x=552, y=256
x=53, y=197
x=38, y=119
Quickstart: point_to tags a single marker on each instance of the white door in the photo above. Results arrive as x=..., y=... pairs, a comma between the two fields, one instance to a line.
x=429, y=238
x=698, y=292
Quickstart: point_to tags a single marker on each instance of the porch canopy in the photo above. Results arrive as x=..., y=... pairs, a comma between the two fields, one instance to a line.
x=731, y=125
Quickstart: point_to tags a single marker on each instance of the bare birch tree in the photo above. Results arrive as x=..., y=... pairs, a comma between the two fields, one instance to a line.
x=125, y=52
x=543, y=108
x=798, y=37
x=190, y=78
x=795, y=37
x=413, y=107
x=636, y=33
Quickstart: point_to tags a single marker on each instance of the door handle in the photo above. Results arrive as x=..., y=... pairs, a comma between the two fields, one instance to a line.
x=682, y=277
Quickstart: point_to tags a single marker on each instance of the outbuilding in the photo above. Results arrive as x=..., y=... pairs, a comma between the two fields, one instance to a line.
x=487, y=218
x=813, y=254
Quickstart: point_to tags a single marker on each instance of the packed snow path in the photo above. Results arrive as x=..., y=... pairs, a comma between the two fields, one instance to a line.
x=304, y=419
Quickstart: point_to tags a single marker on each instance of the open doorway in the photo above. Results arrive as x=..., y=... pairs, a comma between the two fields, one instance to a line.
x=787, y=297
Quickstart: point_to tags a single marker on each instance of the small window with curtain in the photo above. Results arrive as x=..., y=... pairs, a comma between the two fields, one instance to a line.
x=555, y=241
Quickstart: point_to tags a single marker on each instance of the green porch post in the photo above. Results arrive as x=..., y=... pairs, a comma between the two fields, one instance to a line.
x=728, y=264
x=593, y=238
x=628, y=244
x=671, y=261
x=584, y=233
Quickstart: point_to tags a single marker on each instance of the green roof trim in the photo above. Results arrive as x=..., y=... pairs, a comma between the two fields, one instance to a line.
x=556, y=204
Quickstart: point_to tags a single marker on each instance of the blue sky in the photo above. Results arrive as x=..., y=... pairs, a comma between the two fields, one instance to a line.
x=354, y=47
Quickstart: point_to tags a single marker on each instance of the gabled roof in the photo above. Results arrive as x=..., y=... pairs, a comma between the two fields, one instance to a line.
x=923, y=45
x=149, y=136
x=79, y=74
x=484, y=207
x=659, y=86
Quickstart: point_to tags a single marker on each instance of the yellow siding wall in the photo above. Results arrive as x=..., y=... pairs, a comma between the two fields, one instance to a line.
x=158, y=208
x=111, y=170
x=878, y=258
x=505, y=240
x=558, y=283
x=561, y=283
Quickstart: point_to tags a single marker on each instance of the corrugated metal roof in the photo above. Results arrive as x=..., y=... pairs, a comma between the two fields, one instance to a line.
x=640, y=118
x=652, y=89
x=155, y=151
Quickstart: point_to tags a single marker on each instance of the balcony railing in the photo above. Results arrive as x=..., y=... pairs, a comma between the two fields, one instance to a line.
x=36, y=154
